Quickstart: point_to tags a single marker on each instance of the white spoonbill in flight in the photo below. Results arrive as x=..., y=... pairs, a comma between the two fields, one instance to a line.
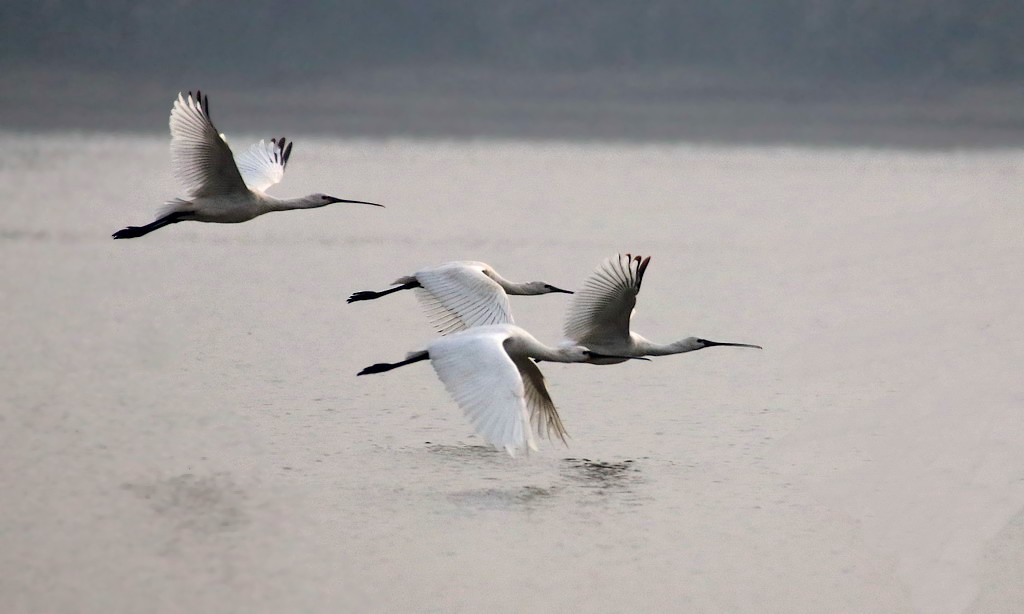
x=600, y=312
x=487, y=370
x=460, y=295
x=219, y=187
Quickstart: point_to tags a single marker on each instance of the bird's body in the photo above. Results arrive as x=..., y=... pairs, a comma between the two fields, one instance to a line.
x=636, y=345
x=221, y=188
x=600, y=313
x=488, y=371
x=462, y=294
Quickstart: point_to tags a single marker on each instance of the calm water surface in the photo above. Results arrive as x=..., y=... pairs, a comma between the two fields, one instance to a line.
x=182, y=429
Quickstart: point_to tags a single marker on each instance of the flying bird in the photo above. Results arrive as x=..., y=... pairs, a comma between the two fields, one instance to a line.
x=599, y=315
x=487, y=370
x=459, y=295
x=219, y=187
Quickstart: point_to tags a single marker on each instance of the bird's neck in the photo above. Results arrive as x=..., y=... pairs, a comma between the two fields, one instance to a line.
x=510, y=287
x=535, y=349
x=289, y=204
x=649, y=348
x=559, y=355
x=513, y=288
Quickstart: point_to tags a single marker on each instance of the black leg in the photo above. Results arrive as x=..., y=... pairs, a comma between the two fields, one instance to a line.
x=369, y=295
x=132, y=232
x=381, y=367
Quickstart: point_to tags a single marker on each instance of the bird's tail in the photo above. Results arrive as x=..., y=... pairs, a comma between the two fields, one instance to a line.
x=175, y=205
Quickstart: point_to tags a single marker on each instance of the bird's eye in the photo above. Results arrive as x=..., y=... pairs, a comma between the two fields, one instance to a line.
x=323, y=198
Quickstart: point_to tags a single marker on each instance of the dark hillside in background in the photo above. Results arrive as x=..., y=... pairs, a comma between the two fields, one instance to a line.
x=485, y=67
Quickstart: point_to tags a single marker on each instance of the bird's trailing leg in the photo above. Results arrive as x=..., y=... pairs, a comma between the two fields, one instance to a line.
x=381, y=367
x=132, y=232
x=369, y=295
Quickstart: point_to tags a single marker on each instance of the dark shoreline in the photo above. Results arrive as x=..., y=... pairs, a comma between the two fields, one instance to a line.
x=452, y=103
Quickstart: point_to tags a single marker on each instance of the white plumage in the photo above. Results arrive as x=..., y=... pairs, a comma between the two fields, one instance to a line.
x=599, y=315
x=218, y=188
x=262, y=165
x=462, y=294
x=489, y=372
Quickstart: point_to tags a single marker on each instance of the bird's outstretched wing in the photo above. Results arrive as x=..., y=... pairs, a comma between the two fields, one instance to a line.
x=263, y=164
x=458, y=295
x=485, y=382
x=600, y=312
x=542, y=409
x=202, y=159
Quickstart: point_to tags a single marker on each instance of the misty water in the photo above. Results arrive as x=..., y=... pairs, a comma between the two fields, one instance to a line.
x=182, y=428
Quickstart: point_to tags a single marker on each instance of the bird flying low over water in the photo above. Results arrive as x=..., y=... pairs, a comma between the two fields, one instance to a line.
x=600, y=312
x=221, y=188
x=459, y=295
x=487, y=370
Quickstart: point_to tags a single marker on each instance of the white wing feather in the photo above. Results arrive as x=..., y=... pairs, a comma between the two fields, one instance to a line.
x=202, y=159
x=263, y=164
x=543, y=413
x=478, y=373
x=600, y=312
x=457, y=296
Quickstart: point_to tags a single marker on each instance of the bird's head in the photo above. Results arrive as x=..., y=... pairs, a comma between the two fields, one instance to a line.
x=540, y=287
x=691, y=344
x=322, y=200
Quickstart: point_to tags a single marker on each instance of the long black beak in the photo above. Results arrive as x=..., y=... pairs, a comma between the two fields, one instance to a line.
x=554, y=289
x=708, y=344
x=331, y=200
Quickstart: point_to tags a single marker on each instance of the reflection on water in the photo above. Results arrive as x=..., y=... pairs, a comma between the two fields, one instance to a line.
x=460, y=456
x=14, y=234
x=600, y=482
x=201, y=505
x=202, y=344
x=464, y=451
x=598, y=473
x=576, y=481
x=522, y=497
